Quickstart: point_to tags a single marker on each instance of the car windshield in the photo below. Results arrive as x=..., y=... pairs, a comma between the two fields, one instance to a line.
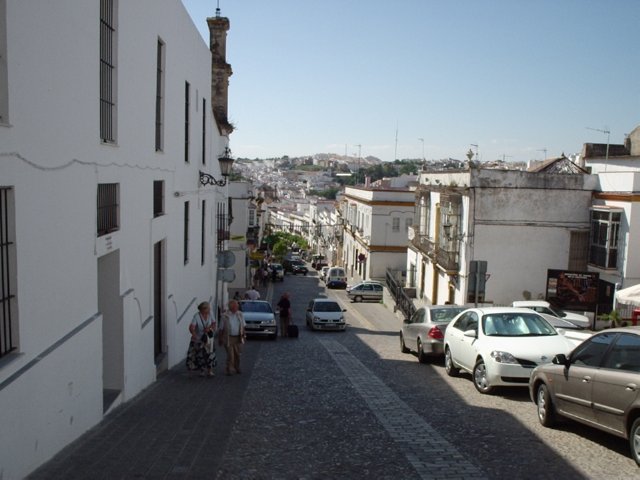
x=326, y=307
x=445, y=314
x=257, y=307
x=516, y=325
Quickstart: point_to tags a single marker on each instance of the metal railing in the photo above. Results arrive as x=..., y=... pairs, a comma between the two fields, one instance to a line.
x=403, y=302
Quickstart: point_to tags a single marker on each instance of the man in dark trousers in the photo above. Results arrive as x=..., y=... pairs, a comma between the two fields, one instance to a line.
x=285, y=314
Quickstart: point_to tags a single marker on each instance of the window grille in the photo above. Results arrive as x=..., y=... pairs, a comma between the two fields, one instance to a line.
x=108, y=208
x=603, y=245
x=203, y=232
x=186, y=232
x=204, y=131
x=107, y=71
x=8, y=317
x=158, y=198
x=223, y=227
x=395, y=225
x=186, y=121
x=159, y=96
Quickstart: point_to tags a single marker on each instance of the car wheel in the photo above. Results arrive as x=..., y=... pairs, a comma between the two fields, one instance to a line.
x=634, y=440
x=422, y=358
x=403, y=347
x=546, y=413
x=304, y=273
x=274, y=336
x=357, y=298
x=480, y=378
x=449, y=367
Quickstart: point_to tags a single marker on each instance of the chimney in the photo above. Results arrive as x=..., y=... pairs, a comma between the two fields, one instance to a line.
x=220, y=72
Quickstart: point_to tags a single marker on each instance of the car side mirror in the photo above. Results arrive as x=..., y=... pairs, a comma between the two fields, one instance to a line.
x=560, y=359
x=344, y=309
x=471, y=333
x=308, y=309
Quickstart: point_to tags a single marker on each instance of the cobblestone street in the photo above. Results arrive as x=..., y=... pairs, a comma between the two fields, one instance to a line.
x=334, y=405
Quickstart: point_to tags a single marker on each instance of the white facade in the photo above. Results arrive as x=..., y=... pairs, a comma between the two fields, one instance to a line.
x=95, y=316
x=376, y=221
x=520, y=223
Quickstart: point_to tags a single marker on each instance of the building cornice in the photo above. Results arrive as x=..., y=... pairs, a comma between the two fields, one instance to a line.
x=630, y=197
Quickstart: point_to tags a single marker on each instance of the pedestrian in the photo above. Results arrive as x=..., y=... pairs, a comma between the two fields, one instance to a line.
x=236, y=296
x=202, y=350
x=265, y=276
x=252, y=294
x=232, y=336
x=285, y=314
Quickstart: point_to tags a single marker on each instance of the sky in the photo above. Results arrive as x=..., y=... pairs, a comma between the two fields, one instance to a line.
x=514, y=77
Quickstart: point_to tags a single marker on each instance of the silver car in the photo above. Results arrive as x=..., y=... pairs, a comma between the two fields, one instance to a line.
x=325, y=314
x=423, y=333
x=366, y=291
x=597, y=384
x=259, y=318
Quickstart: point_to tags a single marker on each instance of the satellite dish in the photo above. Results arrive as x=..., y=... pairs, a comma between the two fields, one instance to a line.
x=226, y=259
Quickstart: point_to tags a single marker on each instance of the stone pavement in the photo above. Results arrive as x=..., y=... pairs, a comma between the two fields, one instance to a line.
x=302, y=409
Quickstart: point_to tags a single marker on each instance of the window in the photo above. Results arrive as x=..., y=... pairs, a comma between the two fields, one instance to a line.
x=204, y=131
x=407, y=223
x=4, y=74
x=578, y=251
x=591, y=352
x=8, y=308
x=625, y=354
x=108, y=208
x=424, y=214
x=160, y=96
x=186, y=121
x=603, y=245
x=186, y=233
x=158, y=198
x=395, y=225
x=203, y=231
x=108, y=77
x=252, y=217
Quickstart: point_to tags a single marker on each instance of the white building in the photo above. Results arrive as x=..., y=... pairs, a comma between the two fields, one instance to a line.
x=615, y=212
x=520, y=223
x=375, y=221
x=107, y=237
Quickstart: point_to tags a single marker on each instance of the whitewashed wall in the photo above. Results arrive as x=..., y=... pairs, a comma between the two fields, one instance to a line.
x=51, y=155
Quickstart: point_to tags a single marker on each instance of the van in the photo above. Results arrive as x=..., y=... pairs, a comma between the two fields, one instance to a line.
x=336, y=278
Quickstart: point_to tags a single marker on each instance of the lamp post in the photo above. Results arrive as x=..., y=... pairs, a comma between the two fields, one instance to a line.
x=226, y=162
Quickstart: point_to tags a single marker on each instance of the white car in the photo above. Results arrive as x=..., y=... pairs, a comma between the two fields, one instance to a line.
x=500, y=346
x=542, y=306
x=325, y=314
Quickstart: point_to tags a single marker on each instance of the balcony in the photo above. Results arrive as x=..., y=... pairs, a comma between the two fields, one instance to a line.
x=447, y=259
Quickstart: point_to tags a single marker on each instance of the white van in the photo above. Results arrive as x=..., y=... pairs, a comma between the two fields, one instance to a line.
x=336, y=278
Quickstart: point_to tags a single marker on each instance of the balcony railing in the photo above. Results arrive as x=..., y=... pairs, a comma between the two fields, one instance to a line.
x=447, y=259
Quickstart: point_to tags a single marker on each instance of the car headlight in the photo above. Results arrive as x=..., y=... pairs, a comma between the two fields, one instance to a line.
x=316, y=319
x=503, y=357
x=271, y=321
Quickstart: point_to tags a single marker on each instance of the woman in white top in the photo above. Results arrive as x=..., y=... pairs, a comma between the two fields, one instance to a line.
x=202, y=351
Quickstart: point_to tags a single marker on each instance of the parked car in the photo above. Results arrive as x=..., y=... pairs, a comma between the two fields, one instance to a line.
x=323, y=273
x=423, y=332
x=325, y=314
x=336, y=278
x=597, y=384
x=279, y=269
x=295, y=267
x=259, y=318
x=542, y=306
x=500, y=345
x=366, y=291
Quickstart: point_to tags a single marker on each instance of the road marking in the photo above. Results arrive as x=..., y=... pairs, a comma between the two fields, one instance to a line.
x=430, y=454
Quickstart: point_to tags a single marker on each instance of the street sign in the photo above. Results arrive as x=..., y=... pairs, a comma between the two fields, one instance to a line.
x=226, y=259
x=227, y=275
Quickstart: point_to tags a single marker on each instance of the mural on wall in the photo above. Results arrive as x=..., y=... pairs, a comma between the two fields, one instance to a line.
x=573, y=290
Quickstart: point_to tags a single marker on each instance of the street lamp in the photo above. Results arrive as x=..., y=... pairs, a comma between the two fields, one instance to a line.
x=226, y=162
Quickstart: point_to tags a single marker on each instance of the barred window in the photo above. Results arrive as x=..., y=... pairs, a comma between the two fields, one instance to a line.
x=4, y=78
x=395, y=224
x=186, y=233
x=108, y=75
x=158, y=198
x=160, y=96
x=187, y=93
x=203, y=237
x=8, y=308
x=204, y=131
x=603, y=244
x=108, y=208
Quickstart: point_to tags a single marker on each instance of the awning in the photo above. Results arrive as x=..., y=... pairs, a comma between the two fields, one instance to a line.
x=629, y=295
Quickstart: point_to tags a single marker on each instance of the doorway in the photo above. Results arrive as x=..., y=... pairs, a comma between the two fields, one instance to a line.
x=110, y=305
